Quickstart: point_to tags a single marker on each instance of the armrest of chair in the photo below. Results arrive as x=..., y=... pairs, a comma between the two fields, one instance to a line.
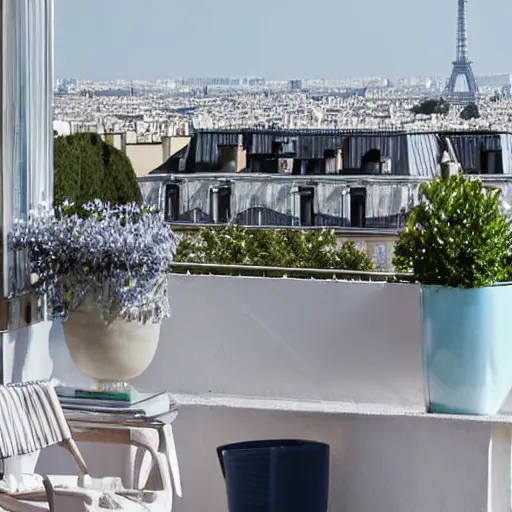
x=147, y=438
x=16, y=505
x=61, y=499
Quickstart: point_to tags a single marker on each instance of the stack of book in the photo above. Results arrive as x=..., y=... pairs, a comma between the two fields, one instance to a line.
x=130, y=404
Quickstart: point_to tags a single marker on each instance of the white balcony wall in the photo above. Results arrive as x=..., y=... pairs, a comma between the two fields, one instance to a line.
x=316, y=341
x=291, y=338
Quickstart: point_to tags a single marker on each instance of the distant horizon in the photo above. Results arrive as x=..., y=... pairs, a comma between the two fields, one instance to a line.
x=273, y=79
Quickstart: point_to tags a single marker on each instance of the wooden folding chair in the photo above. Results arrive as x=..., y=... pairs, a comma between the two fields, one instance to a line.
x=32, y=419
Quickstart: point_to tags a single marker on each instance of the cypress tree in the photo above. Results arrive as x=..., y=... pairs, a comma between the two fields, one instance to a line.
x=87, y=168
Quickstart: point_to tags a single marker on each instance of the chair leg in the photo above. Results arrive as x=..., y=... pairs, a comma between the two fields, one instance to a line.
x=172, y=457
x=75, y=452
x=13, y=505
x=65, y=501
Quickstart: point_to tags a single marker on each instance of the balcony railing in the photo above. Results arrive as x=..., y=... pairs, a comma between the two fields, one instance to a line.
x=342, y=232
x=283, y=272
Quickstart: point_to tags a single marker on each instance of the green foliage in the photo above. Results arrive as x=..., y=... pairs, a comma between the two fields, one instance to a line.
x=470, y=111
x=457, y=236
x=235, y=245
x=429, y=107
x=87, y=168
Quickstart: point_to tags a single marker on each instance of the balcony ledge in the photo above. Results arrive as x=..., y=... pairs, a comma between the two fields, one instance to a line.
x=327, y=407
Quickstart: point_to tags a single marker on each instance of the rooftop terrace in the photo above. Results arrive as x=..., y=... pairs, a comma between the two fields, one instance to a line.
x=335, y=361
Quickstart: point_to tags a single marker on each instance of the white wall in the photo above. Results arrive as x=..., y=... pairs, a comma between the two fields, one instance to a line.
x=291, y=338
x=377, y=464
x=287, y=338
x=317, y=340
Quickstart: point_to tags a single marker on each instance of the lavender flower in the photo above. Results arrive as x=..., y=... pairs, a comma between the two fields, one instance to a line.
x=118, y=255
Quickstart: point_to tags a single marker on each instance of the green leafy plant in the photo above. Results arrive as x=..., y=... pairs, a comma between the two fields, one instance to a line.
x=470, y=111
x=87, y=168
x=429, y=107
x=456, y=236
x=235, y=245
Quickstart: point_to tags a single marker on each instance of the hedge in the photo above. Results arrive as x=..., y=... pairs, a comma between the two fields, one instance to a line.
x=290, y=248
x=87, y=168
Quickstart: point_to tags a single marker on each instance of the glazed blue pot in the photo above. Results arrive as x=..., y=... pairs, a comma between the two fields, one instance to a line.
x=467, y=348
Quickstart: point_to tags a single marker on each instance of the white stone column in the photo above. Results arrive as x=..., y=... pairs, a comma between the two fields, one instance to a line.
x=26, y=167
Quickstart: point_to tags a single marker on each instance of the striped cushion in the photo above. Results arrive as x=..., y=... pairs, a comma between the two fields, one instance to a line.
x=30, y=418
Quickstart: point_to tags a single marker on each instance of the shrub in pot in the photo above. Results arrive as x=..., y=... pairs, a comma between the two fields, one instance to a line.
x=103, y=271
x=458, y=244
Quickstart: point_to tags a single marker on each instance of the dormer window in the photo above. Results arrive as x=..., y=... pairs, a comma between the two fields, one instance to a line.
x=220, y=204
x=172, y=203
x=358, y=207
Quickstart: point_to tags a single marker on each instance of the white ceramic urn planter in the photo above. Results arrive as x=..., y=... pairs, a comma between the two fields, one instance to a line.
x=108, y=262
x=110, y=353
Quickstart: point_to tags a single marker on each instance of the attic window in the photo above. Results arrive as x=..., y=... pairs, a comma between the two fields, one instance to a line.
x=358, y=207
x=220, y=204
x=284, y=147
x=371, y=161
x=277, y=147
x=172, y=203
x=307, y=210
x=227, y=160
x=491, y=161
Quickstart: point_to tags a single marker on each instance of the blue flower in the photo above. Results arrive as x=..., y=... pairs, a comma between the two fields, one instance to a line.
x=117, y=254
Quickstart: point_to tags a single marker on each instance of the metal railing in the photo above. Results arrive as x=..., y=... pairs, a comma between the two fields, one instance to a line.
x=304, y=273
x=341, y=231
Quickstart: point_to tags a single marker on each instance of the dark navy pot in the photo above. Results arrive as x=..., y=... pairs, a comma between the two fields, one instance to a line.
x=283, y=475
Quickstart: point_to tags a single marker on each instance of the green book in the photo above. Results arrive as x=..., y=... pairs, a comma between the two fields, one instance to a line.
x=91, y=394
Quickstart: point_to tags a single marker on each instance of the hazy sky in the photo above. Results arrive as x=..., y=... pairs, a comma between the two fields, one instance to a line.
x=149, y=39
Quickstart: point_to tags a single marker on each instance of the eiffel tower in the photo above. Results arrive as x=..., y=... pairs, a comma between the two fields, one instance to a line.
x=462, y=65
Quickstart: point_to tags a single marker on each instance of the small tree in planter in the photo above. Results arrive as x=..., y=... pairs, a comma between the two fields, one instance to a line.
x=458, y=244
x=104, y=273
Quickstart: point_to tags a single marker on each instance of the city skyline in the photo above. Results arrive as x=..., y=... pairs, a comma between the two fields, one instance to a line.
x=128, y=39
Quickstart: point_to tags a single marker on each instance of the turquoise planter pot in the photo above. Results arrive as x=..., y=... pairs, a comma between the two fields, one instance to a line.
x=467, y=348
